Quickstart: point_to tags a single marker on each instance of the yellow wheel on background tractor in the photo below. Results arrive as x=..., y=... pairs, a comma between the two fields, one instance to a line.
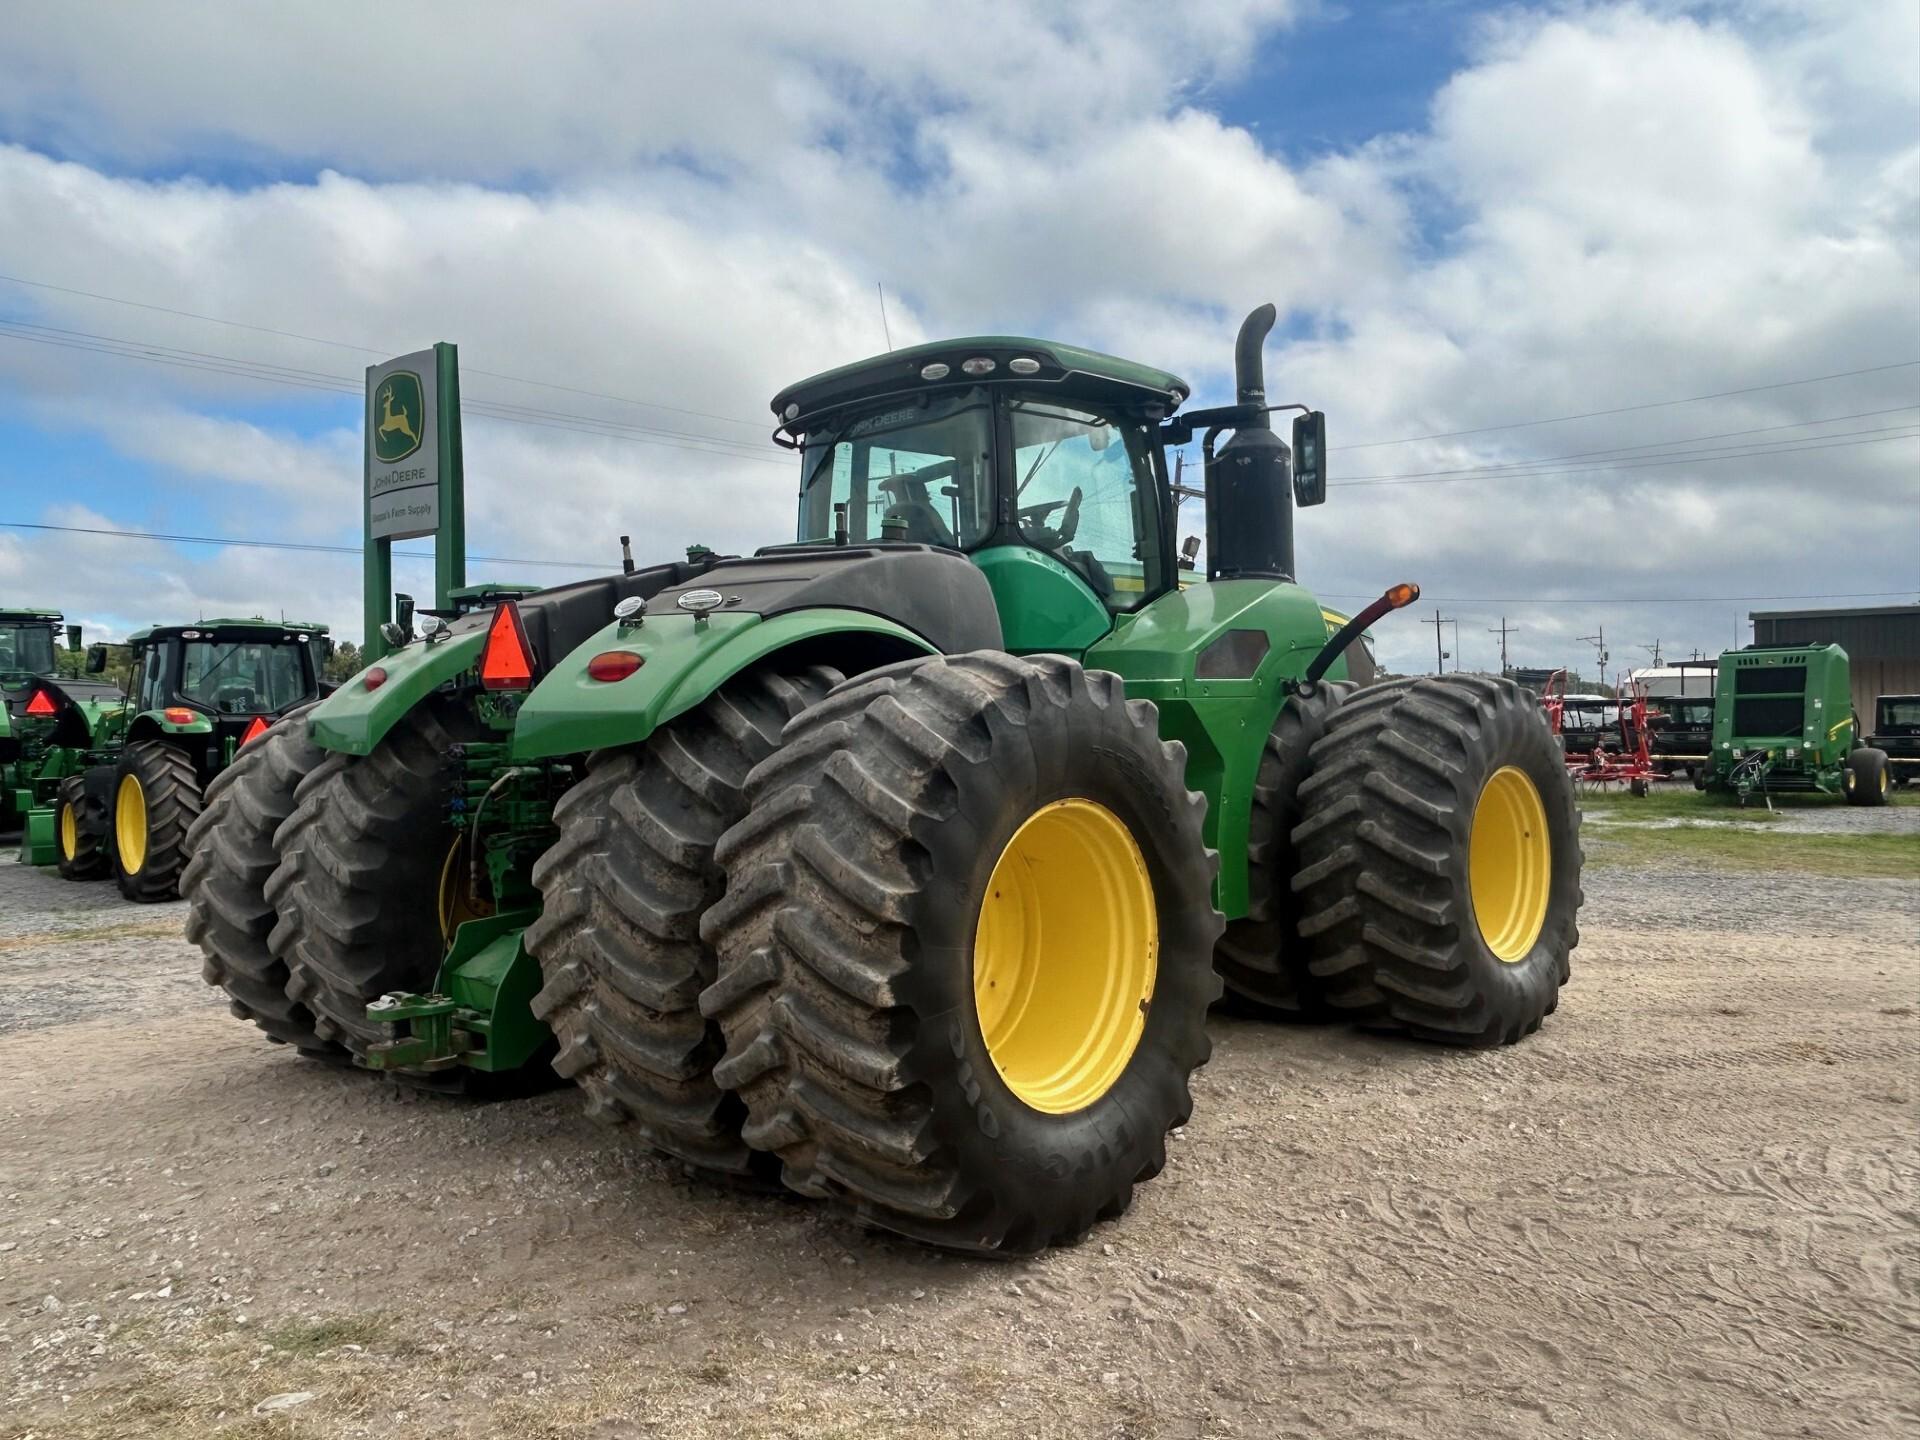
x=965, y=950
x=80, y=830
x=1439, y=857
x=130, y=825
x=156, y=798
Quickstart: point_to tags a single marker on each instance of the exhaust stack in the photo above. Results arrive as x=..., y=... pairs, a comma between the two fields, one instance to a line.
x=1249, y=500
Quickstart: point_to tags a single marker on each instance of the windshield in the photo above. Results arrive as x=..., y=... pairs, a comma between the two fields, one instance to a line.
x=918, y=468
x=1685, y=714
x=243, y=678
x=1899, y=712
x=26, y=649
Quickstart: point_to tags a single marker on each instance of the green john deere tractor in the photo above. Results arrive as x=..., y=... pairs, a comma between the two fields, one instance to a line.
x=902, y=862
x=134, y=765
x=47, y=721
x=1783, y=723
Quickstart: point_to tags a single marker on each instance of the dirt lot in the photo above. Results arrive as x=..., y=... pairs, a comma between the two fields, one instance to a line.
x=1686, y=1208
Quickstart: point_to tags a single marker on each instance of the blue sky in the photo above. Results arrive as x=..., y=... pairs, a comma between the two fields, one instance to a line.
x=1468, y=214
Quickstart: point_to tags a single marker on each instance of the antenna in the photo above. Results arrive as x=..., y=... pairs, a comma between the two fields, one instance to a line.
x=885, y=329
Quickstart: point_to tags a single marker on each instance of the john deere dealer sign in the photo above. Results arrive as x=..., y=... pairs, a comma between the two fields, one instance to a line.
x=403, y=459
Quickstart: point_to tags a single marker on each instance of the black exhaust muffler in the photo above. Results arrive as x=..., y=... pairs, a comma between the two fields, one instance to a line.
x=1249, y=488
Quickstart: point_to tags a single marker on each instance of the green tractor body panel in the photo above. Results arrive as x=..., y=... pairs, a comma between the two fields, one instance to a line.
x=1782, y=720
x=480, y=1013
x=354, y=719
x=1043, y=605
x=1213, y=657
x=684, y=661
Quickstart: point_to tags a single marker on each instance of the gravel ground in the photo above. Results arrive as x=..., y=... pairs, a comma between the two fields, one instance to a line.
x=1685, y=1208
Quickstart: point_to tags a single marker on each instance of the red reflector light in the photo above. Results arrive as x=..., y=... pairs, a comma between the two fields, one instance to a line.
x=179, y=715
x=42, y=704
x=374, y=678
x=613, y=665
x=258, y=727
x=507, y=663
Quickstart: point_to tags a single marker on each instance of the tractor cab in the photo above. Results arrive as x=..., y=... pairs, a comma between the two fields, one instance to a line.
x=1047, y=465
x=226, y=680
x=26, y=645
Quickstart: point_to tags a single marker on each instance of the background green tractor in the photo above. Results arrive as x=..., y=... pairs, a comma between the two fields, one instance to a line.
x=135, y=775
x=1783, y=723
x=48, y=720
x=903, y=861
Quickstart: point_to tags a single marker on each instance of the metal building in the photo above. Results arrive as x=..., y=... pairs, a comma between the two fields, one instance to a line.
x=1882, y=642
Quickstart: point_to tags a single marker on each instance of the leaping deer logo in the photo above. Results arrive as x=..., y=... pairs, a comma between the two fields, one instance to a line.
x=392, y=421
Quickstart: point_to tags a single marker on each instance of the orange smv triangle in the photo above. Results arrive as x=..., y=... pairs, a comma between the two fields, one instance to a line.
x=506, y=665
x=258, y=727
x=42, y=704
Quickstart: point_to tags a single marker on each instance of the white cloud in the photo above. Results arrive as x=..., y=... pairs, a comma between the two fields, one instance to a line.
x=1609, y=205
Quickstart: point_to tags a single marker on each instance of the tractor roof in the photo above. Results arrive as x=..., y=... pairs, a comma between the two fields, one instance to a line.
x=266, y=628
x=1065, y=369
x=8, y=612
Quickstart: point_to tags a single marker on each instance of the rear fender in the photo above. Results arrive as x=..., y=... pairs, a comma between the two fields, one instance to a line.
x=354, y=719
x=684, y=661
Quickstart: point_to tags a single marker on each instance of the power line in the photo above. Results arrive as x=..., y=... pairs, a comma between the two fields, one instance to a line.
x=1656, y=446
x=1630, y=409
x=1703, y=457
x=364, y=349
x=733, y=420
x=306, y=545
x=235, y=542
x=211, y=363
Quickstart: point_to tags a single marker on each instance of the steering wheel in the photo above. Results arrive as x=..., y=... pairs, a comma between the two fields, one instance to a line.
x=1032, y=518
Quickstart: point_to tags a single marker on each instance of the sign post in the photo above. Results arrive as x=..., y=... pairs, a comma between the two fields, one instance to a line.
x=415, y=480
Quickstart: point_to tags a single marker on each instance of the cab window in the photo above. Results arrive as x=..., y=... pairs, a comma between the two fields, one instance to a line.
x=243, y=678
x=921, y=469
x=1083, y=492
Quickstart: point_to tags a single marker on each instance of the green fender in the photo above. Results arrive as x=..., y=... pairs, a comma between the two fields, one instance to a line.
x=354, y=719
x=149, y=721
x=1219, y=703
x=684, y=661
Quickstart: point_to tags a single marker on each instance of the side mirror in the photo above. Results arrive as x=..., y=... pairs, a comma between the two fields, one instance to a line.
x=1310, y=458
x=403, y=611
x=96, y=659
x=73, y=637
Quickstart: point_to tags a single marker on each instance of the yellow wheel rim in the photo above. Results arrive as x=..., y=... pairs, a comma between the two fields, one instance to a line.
x=69, y=833
x=1509, y=863
x=130, y=824
x=1065, y=955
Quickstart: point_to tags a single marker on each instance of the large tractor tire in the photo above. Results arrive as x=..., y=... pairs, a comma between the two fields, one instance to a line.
x=1867, y=777
x=618, y=938
x=1440, y=860
x=80, y=831
x=228, y=914
x=965, y=951
x=156, y=799
x=1261, y=956
x=358, y=885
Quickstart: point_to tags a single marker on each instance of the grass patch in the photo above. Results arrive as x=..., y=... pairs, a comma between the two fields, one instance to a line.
x=300, y=1337
x=1754, y=848
x=1677, y=800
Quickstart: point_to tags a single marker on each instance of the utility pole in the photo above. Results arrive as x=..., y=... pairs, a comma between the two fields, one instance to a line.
x=1504, y=631
x=1440, y=655
x=1599, y=643
x=1654, y=648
